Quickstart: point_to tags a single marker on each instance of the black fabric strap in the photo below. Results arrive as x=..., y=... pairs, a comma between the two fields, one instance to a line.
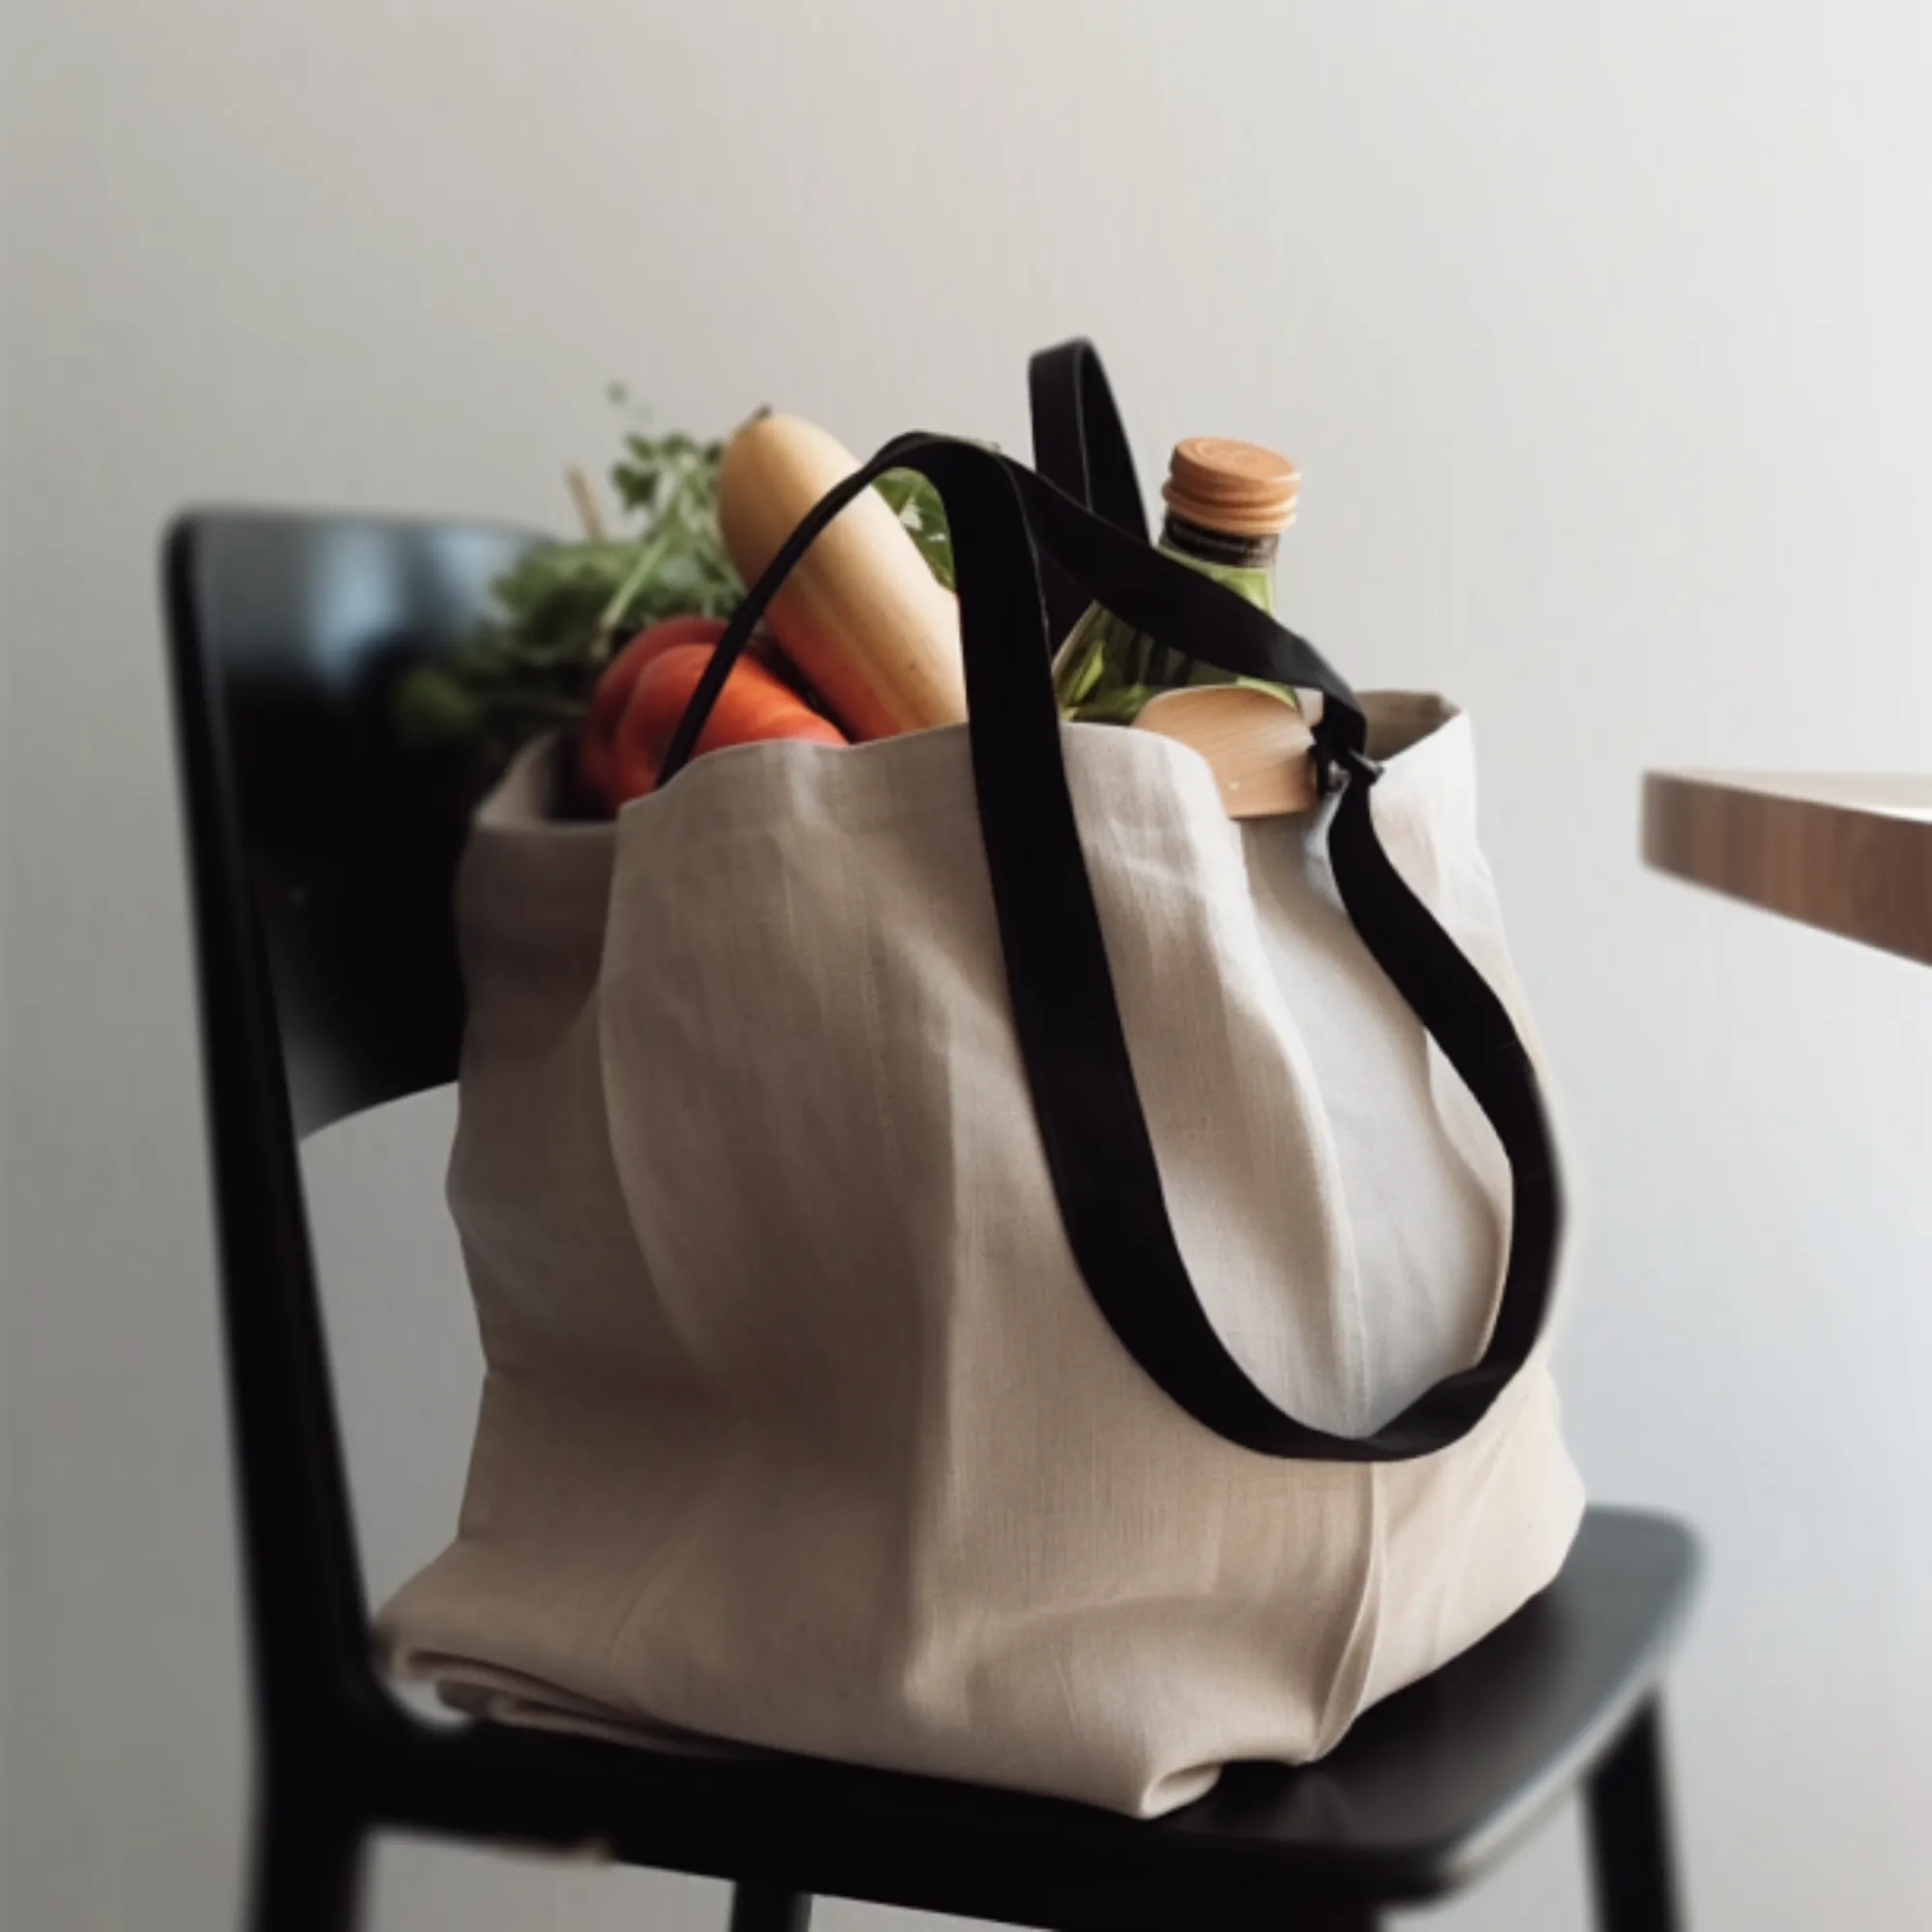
x=1066, y=1018
x=1080, y=443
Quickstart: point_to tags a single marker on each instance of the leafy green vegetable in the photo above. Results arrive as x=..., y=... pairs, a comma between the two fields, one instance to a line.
x=916, y=503
x=563, y=609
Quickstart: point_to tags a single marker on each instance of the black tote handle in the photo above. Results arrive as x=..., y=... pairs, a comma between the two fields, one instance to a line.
x=1099, y=1150
x=1080, y=443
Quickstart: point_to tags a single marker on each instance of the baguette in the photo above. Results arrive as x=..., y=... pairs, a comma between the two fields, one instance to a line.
x=861, y=616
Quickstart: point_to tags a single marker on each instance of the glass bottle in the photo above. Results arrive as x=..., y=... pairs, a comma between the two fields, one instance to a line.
x=1228, y=503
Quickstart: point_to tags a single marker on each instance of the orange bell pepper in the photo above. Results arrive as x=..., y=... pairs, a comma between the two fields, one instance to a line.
x=645, y=690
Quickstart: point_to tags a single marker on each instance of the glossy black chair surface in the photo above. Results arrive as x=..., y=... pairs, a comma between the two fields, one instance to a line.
x=321, y=856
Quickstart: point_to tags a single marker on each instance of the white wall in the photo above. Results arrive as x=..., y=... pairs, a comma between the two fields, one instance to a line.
x=1599, y=333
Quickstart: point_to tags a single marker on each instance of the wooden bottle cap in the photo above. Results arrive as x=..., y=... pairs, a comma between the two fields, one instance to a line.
x=1238, y=488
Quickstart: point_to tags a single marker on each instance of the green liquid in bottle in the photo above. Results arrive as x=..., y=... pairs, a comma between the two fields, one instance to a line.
x=1106, y=671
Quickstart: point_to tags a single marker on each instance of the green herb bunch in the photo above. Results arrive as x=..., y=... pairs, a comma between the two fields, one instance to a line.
x=917, y=506
x=564, y=609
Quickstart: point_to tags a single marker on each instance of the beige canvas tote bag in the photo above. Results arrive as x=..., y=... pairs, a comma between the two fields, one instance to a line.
x=987, y=1267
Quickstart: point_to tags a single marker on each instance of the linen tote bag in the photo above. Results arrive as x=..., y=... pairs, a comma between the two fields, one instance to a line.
x=987, y=1267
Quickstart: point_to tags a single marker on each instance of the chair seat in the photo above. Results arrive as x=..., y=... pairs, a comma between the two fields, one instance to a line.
x=1425, y=1792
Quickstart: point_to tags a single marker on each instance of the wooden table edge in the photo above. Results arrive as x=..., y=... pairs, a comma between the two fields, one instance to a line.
x=1855, y=867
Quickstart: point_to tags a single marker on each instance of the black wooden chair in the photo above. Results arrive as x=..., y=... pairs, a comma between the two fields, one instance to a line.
x=321, y=859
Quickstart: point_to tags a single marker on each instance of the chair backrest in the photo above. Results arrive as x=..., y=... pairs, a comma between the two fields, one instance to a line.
x=321, y=855
x=302, y=625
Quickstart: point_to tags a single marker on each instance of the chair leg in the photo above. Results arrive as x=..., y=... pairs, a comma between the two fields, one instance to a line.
x=307, y=1872
x=769, y=1908
x=1630, y=1861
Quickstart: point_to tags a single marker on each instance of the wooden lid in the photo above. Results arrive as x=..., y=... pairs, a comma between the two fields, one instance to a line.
x=1239, y=488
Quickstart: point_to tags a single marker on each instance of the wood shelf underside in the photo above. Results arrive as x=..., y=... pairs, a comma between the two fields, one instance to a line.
x=1849, y=854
